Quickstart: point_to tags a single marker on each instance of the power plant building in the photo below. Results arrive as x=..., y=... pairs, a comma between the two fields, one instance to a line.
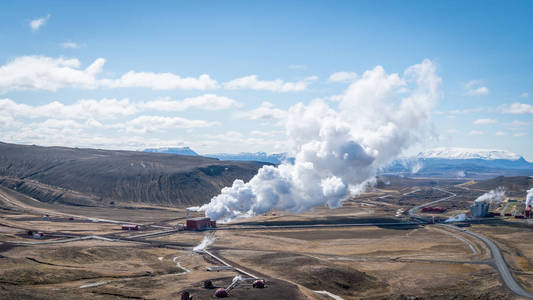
x=200, y=224
x=479, y=209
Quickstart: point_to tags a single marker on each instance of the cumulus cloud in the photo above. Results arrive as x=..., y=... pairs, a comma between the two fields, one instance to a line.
x=519, y=134
x=162, y=81
x=485, y=121
x=342, y=77
x=338, y=150
x=517, y=108
x=277, y=85
x=476, y=132
x=40, y=72
x=83, y=109
x=111, y=108
x=70, y=45
x=46, y=73
x=266, y=111
x=206, y=102
x=475, y=88
x=35, y=24
x=500, y=133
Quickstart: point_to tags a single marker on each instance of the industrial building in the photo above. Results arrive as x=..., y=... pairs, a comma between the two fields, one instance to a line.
x=479, y=209
x=197, y=224
x=435, y=209
x=130, y=227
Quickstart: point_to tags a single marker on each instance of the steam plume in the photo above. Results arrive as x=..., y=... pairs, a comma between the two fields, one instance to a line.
x=492, y=196
x=337, y=150
x=208, y=240
x=457, y=218
x=529, y=197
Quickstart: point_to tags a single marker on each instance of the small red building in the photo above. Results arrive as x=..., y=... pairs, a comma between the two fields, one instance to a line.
x=436, y=209
x=130, y=227
x=200, y=224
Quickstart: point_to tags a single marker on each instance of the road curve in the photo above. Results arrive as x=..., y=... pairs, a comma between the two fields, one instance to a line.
x=499, y=263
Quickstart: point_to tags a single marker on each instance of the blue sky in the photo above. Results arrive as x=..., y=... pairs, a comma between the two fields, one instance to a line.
x=482, y=49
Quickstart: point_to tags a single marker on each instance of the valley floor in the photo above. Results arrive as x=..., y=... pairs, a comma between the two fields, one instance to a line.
x=84, y=253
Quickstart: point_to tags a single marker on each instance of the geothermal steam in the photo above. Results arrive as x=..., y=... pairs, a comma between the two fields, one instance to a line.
x=457, y=218
x=529, y=197
x=492, y=196
x=206, y=242
x=338, y=148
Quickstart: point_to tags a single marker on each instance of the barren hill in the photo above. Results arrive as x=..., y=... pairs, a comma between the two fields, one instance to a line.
x=104, y=177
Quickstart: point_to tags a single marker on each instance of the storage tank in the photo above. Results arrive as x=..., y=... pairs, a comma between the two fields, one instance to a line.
x=479, y=209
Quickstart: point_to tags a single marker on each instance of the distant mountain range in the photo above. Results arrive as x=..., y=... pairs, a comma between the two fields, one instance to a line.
x=275, y=158
x=438, y=162
x=461, y=163
x=468, y=153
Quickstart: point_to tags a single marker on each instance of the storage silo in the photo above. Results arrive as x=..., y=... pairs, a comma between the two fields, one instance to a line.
x=479, y=209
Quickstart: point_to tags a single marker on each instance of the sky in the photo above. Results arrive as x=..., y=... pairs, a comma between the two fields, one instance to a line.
x=220, y=76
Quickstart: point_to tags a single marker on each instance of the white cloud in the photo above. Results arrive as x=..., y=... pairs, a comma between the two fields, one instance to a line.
x=519, y=134
x=342, y=77
x=277, y=85
x=517, y=108
x=475, y=88
x=476, y=132
x=147, y=124
x=82, y=109
x=110, y=108
x=70, y=45
x=500, y=133
x=46, y=73
x=39, y=72
x=485, y=121
x=524, y=95
x=162, y=81
x=206, y=102
x=38, y=23
x=266, y=111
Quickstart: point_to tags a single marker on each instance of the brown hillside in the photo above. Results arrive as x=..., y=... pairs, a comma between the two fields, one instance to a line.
x=100, y=177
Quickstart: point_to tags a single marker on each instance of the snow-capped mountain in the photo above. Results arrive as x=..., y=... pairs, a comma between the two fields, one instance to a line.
x=175, y=150
x=461, y=163
x=468, y=153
